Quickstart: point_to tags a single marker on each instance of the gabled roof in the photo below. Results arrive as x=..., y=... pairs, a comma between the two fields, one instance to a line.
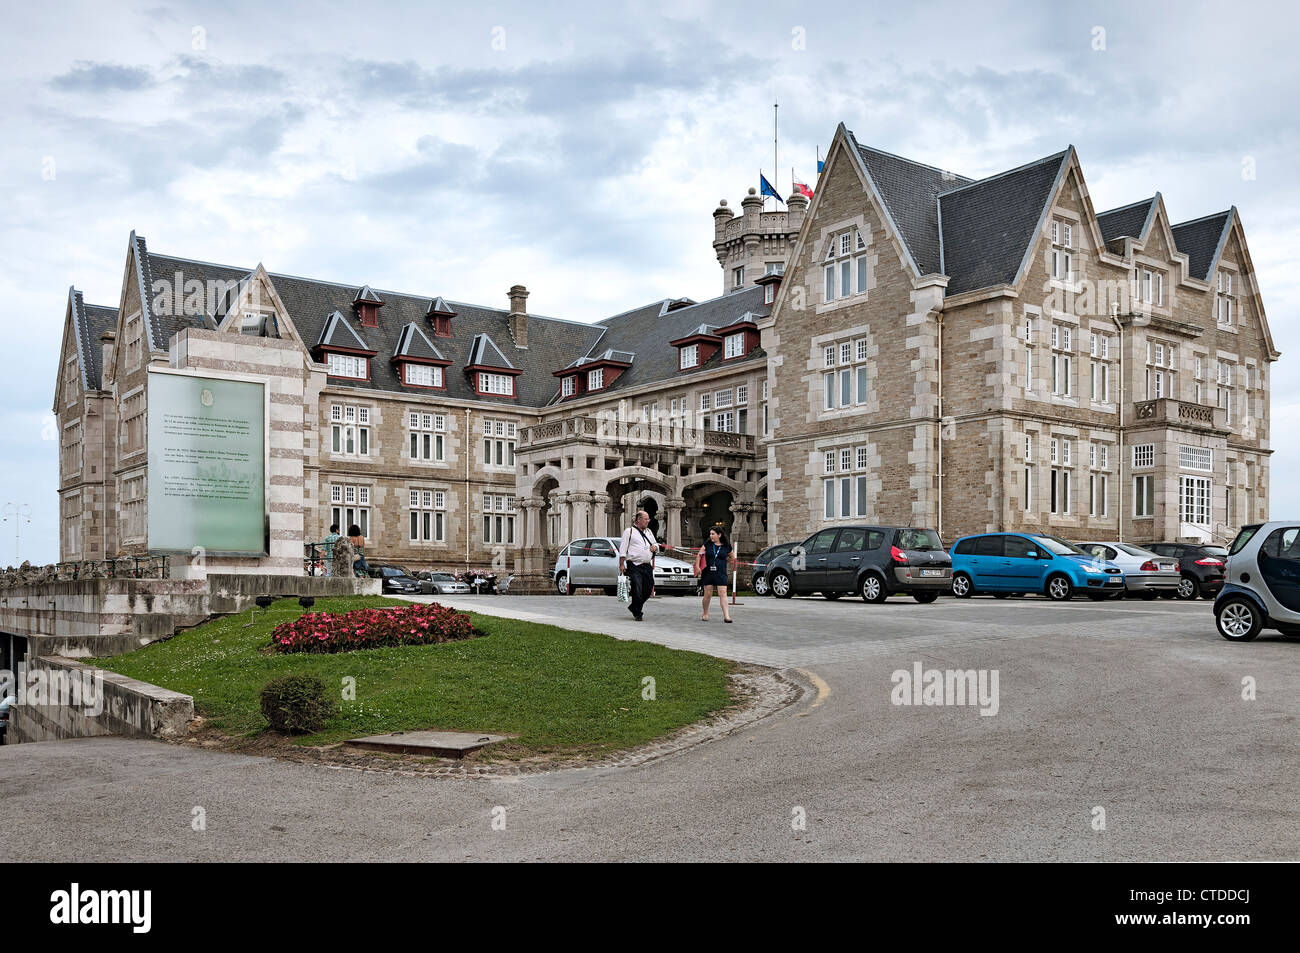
x=413, y=343
x=910, y=191
x=1202, y=240
x=1130, y=220
x=365, y=295
x=339, y=333
x=988, y=226
x=438, y=306
x=483, y=352
x=89, y=322
x=609, y=356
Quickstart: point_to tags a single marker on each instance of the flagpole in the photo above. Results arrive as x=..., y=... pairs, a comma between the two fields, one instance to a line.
x=776, y=166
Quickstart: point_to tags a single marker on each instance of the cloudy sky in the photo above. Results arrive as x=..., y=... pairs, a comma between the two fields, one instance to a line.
x=579, y=149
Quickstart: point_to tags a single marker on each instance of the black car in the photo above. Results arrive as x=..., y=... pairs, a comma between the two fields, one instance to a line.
x=763, y=562
x=397, y=580
x=1202, y=566
x=874, y=561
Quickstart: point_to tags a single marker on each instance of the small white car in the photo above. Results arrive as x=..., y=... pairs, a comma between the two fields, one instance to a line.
x=1145, y=573
x=593, y=563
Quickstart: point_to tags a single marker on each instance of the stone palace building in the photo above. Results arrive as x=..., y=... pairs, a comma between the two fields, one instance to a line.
x=913, y=346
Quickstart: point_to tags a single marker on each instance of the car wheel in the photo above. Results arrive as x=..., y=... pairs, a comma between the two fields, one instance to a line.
x=872, y=588
x=832, y=596
x=962, y=587
x=1238, y=619
x=562, y=584
x=782, y=585
x=1058, y=588
x=760, y=586
x=1188, y=588
x=925, y=598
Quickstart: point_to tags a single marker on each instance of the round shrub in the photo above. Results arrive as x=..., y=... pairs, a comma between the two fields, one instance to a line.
x=297, y=704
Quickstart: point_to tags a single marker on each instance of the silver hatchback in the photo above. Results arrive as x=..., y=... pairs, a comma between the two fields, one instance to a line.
x=593, y=564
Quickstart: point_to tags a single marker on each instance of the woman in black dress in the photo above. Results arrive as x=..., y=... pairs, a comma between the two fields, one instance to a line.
x=713, y=562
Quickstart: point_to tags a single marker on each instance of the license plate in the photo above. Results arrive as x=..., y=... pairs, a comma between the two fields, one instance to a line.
x=931, y=572
x=1167, y=567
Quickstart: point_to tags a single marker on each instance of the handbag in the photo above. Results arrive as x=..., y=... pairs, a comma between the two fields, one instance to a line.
x=624, y=589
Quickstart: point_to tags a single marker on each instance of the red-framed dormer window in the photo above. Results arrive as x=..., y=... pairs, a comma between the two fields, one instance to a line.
x=733, y=346
x=350, y=366
x=442, y=325
x=496, y=385
x=568, y=385
x=423, y=375
x=688, y=357
x=595, y=379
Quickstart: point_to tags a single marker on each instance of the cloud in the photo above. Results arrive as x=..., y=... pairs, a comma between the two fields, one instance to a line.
x=86, y=77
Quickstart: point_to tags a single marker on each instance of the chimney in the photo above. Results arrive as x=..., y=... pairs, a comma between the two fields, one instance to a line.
x=519, y=315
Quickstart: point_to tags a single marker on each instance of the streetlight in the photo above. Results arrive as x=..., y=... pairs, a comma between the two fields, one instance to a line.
x=20, y=512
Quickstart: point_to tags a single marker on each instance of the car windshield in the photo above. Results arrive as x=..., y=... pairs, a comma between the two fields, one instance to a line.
x=1244, y=537
x=391, y=571
x=443, y=577
x=1058, y=546
x=1134, y=550
x=1215, y=551
x=921, y=540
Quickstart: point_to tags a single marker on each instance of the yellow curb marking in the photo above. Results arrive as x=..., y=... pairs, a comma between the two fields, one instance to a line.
x=823, y=690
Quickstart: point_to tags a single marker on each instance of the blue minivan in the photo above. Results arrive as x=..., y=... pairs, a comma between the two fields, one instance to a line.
x=1006, y=563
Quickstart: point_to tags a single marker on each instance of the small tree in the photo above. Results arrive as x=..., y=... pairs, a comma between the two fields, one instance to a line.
x=297, y=704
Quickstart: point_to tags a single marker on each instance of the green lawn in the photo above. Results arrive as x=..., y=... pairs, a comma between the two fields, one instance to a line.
x=559, y=691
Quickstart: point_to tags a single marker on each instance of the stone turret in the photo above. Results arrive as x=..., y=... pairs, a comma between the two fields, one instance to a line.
x=755, y=242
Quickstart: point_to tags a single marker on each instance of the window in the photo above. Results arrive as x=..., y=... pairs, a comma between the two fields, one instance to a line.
x=722, y=399
x=422, y=375
x=1144, y=496
x=351, y=507
x=427, y=436
x=738, y=277
x=828, y=293
x=1029, y=446
x=725, y=422
x=1060, y=495
x=846, y=459
x=828, y=356
x=499, y=443
x=690, y=355
x=829, y=381
x=847, y=275
x=1196, y=458
x=1062, y=257
x=1225, y=302
x=1144, y=455
x=829, y=461
x=1029, y=488
x=734, y=345
x=862, y=384
x=1065, y=452
x=846, y=352
x=860, y=349
x=427, y=516
x=132, y=496
x=502, y=385
x=349, y=365
x=1097, y=485
x=742, y=394
x=1194, y=495
x=498, y=518
x=1062, y=362
x=134, y=351
x=568, y=386
x=769, y=292
x=860, y=264
x=350, y=436
x=706, y=401
x=860, y=459
x=596, y=379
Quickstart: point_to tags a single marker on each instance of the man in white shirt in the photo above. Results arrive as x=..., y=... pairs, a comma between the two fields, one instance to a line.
x=636, y=558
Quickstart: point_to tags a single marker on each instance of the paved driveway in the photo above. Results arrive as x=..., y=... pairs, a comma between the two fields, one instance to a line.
x=1132, y=714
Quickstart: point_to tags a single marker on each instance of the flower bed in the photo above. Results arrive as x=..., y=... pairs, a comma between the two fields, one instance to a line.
x=372, y=628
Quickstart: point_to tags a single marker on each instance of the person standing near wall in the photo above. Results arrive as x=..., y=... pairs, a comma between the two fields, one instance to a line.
x=636, y=558
x=328, y=543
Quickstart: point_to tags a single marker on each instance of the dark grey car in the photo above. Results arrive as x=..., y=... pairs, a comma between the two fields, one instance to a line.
x=874, y=561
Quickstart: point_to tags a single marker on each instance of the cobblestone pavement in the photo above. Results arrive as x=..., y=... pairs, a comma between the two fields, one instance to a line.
x=1135, y=714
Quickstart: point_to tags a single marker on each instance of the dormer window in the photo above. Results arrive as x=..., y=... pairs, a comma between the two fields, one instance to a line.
x=349, y=366
x=690, y=356
x=769, y=293
x=734, y=346
x=500, y=385
x=596, y=379
x=423, y=375
x=568, y=386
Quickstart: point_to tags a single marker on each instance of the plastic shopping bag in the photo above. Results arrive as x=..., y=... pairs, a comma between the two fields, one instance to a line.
x=624, y=589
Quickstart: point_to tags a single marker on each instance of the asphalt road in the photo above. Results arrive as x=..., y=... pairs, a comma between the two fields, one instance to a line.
x=1134, y=709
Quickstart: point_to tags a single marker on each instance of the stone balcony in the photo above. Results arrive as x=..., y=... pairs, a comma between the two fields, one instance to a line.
x=1166, y=411
x=612, y=432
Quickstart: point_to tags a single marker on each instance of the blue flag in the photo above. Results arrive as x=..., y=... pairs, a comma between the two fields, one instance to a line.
x=820, y=165
x=765, y=188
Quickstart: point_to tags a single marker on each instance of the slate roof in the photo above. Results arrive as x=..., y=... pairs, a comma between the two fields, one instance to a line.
x=89, y=322
x=1201, y=240
x=554, y=342
x=910, y=191
x=622, y=357
x=339, y=332
x=986, y=227
x=1130, y=220
x=483, y=350
x=368, y=296
x=413, y=342
x=646, y=331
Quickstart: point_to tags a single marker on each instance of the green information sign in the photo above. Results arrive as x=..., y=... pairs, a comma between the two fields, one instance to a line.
x=207, y=465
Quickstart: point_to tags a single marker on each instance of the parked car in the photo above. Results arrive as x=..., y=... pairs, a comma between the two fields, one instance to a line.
x=1007, y=563
x=442, y=584
x=1202, y=566
x=874, y=561
x=395, y=579
x=593, y=563
x=1145, y=573
x=763, y=562
x=1263, y=582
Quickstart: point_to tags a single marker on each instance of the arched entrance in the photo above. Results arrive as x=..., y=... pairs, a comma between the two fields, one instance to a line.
x=712, y=509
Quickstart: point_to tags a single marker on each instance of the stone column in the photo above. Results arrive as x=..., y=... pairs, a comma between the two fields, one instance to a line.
x=739, y=524
x=599, y=519
x=581, y=513
x=673, y=506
